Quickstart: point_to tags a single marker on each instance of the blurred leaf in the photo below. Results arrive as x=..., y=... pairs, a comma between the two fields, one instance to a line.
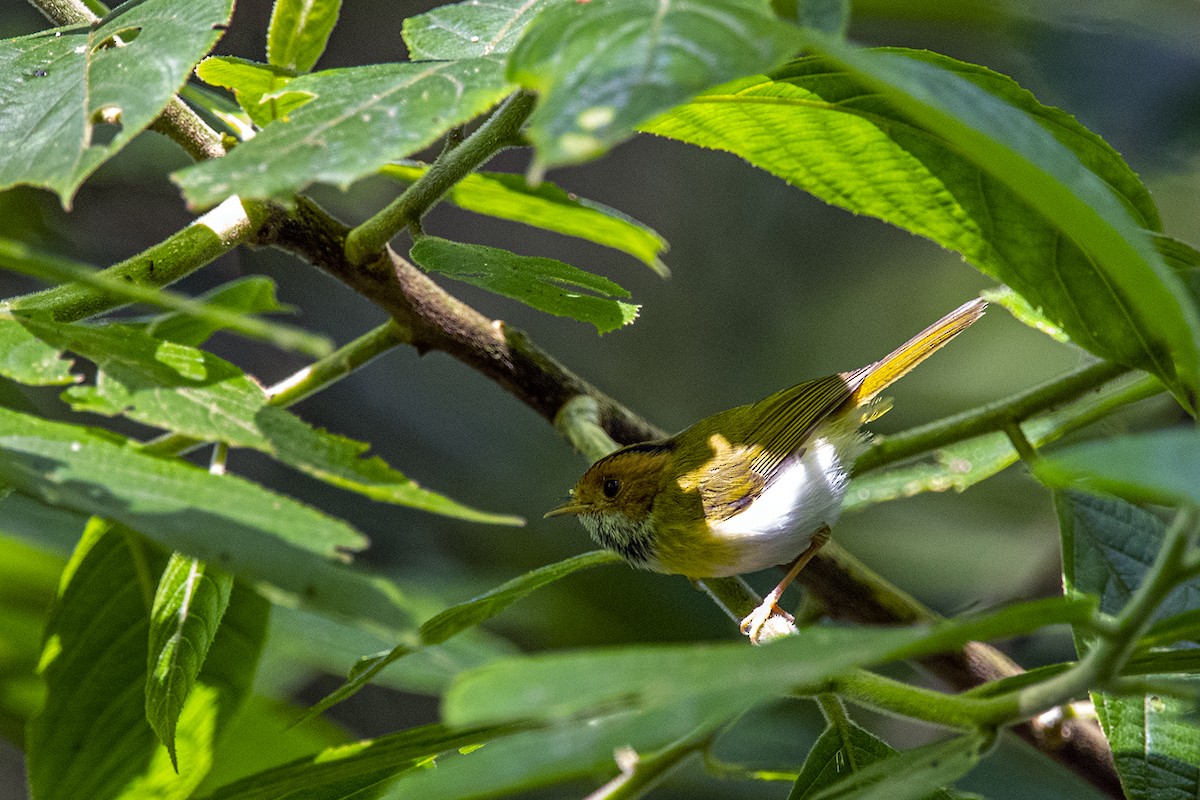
x=716, y=679
x=194, y=393
x=28, y=581
x=188, y=605
x=298, y=32
x=359, y=119
x=254, y=294
x=17, y=257
x=967, y=158
x=909, y=775
x=1108, y=547
x=840, y=753
x=1157, y=467
x=546, y=206
x=604, y=66
x=470, y=29
x=64, y=85
x=487, y=605
x=92, y=739
x=542, y=283
x=827, y=16
x=261, y=89
x=27, y=359
x=357, y=770
x=54, y=530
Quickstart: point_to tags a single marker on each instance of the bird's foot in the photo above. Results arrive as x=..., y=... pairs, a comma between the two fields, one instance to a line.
x=767, y=622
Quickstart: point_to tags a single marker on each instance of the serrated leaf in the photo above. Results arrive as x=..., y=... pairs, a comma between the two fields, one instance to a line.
x=838, y=754
x=1158, y=467
x=188, y=606
x=542, y=283
x=298, y=32
x=357, y=770
x=91, y=738
x=546, y=206
x=57, y=85
x=260, y=89
x=469, y=29
x=359, y=119
x=1108, y=547
x=909, y=775
x=967, y=158
x=190, y=391
x=604, y=66
x=253, y=294
x=19, y=258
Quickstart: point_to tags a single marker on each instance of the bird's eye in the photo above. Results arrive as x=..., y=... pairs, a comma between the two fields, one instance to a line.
x=611, y=487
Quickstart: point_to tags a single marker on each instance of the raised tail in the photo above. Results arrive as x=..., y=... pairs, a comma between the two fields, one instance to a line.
x=890, y=368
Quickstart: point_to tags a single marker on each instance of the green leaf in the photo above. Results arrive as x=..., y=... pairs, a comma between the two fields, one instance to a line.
x=357, y=770
x=28, y=582
x=909, y=775
x=253, y=294
x=298, y=32
x=65, y=83
x=194, y=393
x=359, y=119
x=261, y=89
x=827, y=16
x=604, y=66
x=469, y=29
x=487, y=605
x=542, y=283
x=546, y=206
x=17, y=257
x=1158, y=467
x=188, y=605
x=1108, y=547
x=720, y=679
x=838, y=755
x=27, y=359
x=91, y=738
x=967, y=158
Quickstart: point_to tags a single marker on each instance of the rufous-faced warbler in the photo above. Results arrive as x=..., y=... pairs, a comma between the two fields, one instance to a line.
x=751, y=487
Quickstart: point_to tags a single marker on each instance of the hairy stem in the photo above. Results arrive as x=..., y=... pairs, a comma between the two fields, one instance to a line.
x=640, y=774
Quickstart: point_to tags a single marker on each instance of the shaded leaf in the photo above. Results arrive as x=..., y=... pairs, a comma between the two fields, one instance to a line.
x=604, y=66
x=542, y=283
x=359, y=119
x=1108, y=547
x=1158, y=467
x=469, y=29
x=298, y=32
x=190, y=391
x=827, y=16
x=967, y=158
x=260, y=89
x=254, y=294
x=188, y=605
x=27, y=359
x=546, y=206
x=58, y=86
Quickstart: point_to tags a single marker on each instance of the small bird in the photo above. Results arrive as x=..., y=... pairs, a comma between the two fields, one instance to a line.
x=751, y=487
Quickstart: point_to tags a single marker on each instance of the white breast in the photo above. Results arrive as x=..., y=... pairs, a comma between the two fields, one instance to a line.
x=806, y=494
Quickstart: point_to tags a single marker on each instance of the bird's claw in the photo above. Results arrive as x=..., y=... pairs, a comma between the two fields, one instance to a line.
x=755, y=625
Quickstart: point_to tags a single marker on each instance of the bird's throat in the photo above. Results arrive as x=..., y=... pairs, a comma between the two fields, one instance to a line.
x=631, y=539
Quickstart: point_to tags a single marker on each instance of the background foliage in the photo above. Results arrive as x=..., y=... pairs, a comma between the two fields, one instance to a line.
x=768, y=286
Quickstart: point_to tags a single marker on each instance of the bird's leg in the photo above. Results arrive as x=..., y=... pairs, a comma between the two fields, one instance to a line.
x=752, y=624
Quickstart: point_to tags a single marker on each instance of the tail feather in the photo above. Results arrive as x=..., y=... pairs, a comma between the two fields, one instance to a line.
x=889, y=369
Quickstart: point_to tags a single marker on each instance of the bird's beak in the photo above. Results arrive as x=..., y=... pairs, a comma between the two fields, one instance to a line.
x=572, y=506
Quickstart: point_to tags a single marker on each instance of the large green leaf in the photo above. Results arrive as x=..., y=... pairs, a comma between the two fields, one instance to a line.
x=510, y=197
x=1159, y=467
x=838, y=757
x=1108, y=547
x=91, y=738
x=542, y=283
x=188, y=606
x=63, y=89
x=965, y=157
x=470, y=28
x=193, y=392
x=298, y=32
x=604, y=66
x=28, y=582
x=359, y=119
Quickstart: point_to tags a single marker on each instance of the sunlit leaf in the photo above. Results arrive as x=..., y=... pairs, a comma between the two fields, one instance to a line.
x=470, y=28
x=260, y=89
x=298, y=32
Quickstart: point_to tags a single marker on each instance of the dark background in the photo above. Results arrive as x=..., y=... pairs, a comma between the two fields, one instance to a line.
x=769, y=287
